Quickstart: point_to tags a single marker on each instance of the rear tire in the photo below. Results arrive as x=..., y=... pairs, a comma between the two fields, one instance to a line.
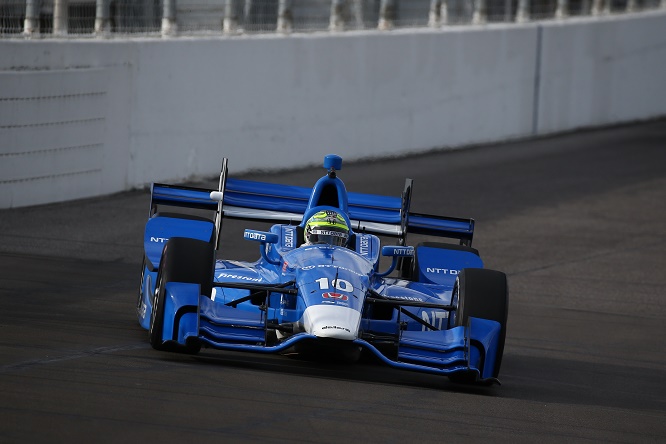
x=483, y=294
x=183, y=260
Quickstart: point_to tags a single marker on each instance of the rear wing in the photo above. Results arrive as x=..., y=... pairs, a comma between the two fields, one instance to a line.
x=251, y=200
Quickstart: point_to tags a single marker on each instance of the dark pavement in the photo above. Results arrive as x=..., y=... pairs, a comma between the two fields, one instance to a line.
x=577, y=221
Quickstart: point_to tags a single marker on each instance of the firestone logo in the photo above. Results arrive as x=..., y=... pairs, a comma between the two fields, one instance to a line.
x=239, y=277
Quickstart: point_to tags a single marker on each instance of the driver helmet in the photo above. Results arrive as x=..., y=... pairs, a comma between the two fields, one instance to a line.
x=326, y=227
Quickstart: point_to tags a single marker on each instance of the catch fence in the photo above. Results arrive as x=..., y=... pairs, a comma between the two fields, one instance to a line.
x=122, y=18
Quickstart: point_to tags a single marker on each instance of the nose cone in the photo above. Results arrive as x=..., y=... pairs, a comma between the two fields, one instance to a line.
x=331, y=321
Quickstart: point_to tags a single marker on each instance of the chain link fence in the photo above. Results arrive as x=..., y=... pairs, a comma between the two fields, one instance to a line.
x=82, y=18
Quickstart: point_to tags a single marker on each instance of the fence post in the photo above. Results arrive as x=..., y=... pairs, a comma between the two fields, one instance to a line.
x=596, y=7
x=169, y=26
x=285, y=17
x=631, y=5
x=523, y=13
x=562, y=10
x=60, y=17
x=31, y=22
x=103, y=17
x=338, y=14
x=480, y=12
x=444, y=12
x=601, y=7
x=387, y=10
x=230, y=22
x=439, y=13
x=435, y=16
x=357, y=12
x=585, y=7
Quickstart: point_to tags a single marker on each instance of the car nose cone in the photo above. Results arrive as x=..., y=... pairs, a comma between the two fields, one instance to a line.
x=332, y=321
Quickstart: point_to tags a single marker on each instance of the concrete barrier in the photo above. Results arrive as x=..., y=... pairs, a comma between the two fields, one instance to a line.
x=80, y=118
x=599, y=72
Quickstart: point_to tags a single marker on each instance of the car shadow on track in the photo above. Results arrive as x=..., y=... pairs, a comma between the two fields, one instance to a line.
x=538, y=379
x=364, y=371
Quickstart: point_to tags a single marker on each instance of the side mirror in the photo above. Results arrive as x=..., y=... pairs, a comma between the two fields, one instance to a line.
x=263, y=237
x=395, y=251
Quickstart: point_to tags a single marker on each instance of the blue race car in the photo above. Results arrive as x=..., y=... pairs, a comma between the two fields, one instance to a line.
x=317, y=288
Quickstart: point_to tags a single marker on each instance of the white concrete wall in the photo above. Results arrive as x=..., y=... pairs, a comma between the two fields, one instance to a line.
x=273, y=103
x=88, y=117
x=596, y=72
x=64, y=119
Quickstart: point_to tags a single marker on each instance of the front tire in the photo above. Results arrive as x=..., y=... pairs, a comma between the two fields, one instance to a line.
x=139, y=301
x=157, y=313
x=183, y=260
x=483, y=294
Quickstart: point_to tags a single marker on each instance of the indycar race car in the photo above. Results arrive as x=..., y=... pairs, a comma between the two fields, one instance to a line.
x=433, y=309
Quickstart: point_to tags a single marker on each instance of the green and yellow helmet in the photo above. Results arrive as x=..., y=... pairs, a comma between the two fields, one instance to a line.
x=327, y=227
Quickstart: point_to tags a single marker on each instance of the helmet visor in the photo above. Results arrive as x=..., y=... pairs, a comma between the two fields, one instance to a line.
x=327, y=236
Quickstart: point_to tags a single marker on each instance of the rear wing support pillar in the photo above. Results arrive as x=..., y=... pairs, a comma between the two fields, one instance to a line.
x=404, y=210
x=220, y=203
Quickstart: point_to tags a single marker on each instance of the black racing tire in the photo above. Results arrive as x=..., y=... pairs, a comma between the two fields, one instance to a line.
x=183, y=260
x=139, y=300
x=484, y=294
x=157, y=314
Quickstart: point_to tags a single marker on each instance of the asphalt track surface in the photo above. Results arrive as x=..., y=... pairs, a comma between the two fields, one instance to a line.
x=578, y=222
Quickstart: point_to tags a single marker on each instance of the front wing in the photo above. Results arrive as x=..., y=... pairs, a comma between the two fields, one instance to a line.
x=469, y=350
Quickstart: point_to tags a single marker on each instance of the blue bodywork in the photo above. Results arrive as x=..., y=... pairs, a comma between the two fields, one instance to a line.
x=321, y=296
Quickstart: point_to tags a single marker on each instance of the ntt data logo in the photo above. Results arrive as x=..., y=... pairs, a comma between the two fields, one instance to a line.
x=255, y=236
x=442, y=271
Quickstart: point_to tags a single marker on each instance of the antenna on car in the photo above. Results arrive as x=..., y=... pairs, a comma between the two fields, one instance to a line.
x=335, y=281
x=219, y=196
